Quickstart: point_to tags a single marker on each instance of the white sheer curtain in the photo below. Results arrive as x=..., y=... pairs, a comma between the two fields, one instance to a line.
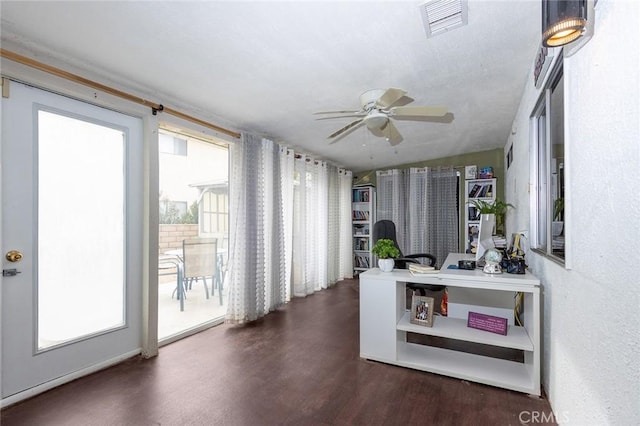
x=310, y=226
x=340, y=259
x=422, y=202
x=345, y=253
x=442, y=212
x=260, y=228
x=290, y=227
x=391, y=193
x=433, y=212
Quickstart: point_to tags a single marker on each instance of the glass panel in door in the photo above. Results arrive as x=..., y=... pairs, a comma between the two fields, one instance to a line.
x=81, y=244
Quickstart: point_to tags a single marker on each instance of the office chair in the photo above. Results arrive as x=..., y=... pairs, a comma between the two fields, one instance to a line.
x=387, y=229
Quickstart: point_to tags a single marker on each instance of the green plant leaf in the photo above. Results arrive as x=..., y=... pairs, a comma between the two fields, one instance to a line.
x=385, y=248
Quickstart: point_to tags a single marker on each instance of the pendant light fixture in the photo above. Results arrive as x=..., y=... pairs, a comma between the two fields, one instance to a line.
x=563, y=21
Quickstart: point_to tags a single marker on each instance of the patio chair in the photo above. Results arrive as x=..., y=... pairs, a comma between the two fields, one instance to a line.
x=169, y=264
x=200, y=262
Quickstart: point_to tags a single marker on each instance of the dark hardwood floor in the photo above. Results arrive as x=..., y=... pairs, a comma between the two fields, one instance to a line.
x=297, y=366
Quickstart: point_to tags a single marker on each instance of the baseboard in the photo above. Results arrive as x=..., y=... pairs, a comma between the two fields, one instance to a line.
x=20, y=396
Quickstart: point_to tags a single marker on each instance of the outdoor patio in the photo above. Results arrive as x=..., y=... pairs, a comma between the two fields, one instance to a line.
x=198, y=309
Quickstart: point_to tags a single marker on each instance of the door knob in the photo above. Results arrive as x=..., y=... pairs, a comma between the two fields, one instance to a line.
x=14, y=256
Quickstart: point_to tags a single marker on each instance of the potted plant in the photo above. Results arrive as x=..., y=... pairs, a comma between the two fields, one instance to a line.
x=498, y=208
x=386, y=251
x=557, y=225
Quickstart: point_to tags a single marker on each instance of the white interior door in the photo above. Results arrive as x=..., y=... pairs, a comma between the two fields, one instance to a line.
x=72, y=207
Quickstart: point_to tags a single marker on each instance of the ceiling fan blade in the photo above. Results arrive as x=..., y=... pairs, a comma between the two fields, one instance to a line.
x=337, y=112
x=360, y=114
x=418, y=111
x=346, y=128
x=393, y=135
x=390, y=97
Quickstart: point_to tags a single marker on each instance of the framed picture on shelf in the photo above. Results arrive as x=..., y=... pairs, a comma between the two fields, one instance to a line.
x=422, y=310
x=470, y=172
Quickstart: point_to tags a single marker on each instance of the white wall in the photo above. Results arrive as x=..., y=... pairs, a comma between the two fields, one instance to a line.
x=204, y=162
x=591, y=330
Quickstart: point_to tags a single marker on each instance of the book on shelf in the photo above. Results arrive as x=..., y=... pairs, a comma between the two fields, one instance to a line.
x=474, y=190
x=361, y=261
x=486, y=190
x=361, y=195
x=474, y=214
x=361, y=244
x=360, y=215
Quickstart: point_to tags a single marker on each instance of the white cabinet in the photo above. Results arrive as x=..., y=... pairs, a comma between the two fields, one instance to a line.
x=384, y=323
x=476, y=189
x=363, y=217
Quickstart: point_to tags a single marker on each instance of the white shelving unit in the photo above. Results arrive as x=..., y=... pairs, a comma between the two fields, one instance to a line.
x=363, y=208
x=384, y=323
x=476, y=189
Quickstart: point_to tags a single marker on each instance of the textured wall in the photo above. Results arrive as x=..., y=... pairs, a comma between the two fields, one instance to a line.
x=591, y=330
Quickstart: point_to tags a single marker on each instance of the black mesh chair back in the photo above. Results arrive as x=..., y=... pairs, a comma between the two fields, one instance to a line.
x=387, y=229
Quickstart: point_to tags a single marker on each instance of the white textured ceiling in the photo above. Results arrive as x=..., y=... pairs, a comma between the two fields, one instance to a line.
x=266, y=66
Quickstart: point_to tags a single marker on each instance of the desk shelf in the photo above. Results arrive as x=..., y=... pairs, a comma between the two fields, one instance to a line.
x=476, y=368
x=456, y=328
x=384, y=324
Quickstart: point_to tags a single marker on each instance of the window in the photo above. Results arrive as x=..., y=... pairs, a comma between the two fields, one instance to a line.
x=172, y=145
x=548, y=219
x=215, y=212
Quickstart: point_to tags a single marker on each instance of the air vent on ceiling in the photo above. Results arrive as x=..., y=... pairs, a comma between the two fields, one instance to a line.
x=440, y=16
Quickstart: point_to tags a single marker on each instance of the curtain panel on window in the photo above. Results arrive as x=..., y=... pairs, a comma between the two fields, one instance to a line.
x=261, y=173
x=310, y=226
x=290, y=232
x=422, y=202
x=391, y=194
x=345, y=230
x=433, y=211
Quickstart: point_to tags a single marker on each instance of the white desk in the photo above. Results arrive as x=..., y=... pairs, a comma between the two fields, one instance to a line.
x=384, y=323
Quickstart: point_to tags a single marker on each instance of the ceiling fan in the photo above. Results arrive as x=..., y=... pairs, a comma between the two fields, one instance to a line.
x=377, y=107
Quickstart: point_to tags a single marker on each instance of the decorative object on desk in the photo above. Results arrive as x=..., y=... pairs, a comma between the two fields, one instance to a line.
x=487, y=323
x=422, y=310
x=386, y=251
x=444, y=303
x=514, y=265
x=418, y=268
x=514, y=262
x=467, y=264
x=470, y=172
x=493, y=258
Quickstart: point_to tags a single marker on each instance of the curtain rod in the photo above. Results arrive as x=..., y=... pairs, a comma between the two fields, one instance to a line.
x=95, y=85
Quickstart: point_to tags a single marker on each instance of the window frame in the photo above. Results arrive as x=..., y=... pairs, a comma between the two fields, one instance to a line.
x=541, y=197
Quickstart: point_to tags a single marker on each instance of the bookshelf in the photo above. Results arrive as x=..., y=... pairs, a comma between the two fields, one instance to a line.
x=476, y=189
x=363, y=209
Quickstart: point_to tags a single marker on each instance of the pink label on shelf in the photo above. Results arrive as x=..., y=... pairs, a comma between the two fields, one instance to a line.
x=487, y=323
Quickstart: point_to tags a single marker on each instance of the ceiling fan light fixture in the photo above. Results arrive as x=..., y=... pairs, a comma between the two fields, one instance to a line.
x=376, y=120
x=440, y=16
x=563, y=21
